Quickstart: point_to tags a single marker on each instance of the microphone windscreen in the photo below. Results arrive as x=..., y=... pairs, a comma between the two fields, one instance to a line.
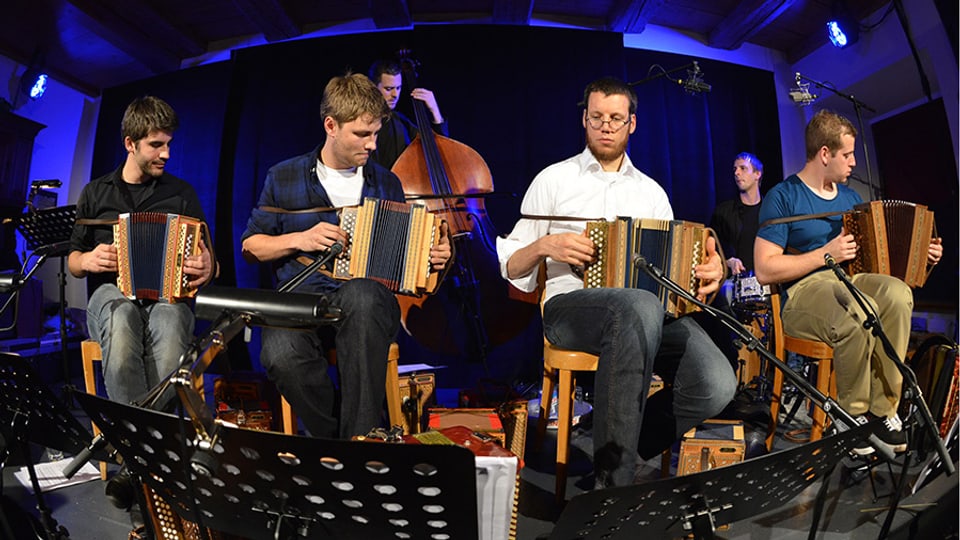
x=266, y=307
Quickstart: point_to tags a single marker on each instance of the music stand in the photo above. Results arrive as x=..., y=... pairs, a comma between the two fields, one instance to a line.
x=270, y=485
x=696, y=503
x=34, y=414
x=46, y=229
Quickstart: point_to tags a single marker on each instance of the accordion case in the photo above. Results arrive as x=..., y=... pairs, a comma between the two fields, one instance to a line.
x=893, y=237
x=151, y=249
x=674, y=246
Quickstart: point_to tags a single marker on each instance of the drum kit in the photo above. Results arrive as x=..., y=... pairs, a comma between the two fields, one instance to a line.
x=751, y=306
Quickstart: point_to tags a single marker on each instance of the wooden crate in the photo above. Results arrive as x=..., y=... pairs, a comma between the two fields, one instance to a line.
x=712, y=444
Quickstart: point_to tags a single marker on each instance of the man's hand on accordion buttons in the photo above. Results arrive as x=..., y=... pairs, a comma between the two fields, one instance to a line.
x=935, y=252
x=440, y=253
x=103, y=258
x=711, y=272
x=199, y=267
x=321, y=236
x=572, y=248
x=843, y=247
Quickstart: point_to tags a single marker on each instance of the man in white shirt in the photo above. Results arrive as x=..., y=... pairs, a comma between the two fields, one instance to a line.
x=625, y=327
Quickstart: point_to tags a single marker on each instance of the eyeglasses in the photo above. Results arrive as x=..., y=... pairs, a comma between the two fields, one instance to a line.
x=616, y=124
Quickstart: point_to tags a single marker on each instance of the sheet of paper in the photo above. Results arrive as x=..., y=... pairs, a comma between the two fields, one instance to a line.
x=50, y=475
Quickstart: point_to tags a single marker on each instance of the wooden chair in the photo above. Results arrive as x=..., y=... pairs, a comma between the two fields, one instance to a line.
x=559, y=371
x=289, y=418
x=813, y=351
x=90, y=353
x=559, y=367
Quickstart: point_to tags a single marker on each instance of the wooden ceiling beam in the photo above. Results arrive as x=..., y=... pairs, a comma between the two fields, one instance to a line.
x=631, y=16
x=516, y=12
x=746, y=19
x=141, y=32
x=270, y=17
x=391, y=14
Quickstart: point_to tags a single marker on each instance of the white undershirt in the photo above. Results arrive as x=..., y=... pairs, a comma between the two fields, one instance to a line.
x=342, y=186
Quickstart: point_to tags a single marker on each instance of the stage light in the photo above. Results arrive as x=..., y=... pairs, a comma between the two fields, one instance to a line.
x=33, y=83
x=842, y=29
x=38, y=87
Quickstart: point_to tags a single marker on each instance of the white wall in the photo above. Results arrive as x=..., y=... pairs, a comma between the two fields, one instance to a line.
x=69, y=116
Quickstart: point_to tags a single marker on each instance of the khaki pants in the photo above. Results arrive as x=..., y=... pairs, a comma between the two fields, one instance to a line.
x=820, y=307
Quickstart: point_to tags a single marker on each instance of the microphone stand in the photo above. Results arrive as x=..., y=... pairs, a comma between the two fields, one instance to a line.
x=911, y=392
x=858, y=106
x=199, y=357
x=842, y=420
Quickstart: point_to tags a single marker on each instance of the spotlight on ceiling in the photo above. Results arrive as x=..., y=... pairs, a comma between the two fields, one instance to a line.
x=35, y=83
x=842, y=28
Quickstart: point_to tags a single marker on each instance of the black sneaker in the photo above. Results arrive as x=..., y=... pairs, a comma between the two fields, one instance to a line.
x=890, y=433
x=121, y=489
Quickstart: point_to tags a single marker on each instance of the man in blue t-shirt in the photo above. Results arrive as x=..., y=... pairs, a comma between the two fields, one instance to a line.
x=818, y=305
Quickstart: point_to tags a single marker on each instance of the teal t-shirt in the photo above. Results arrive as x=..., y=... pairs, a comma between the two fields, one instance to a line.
x=792, y=197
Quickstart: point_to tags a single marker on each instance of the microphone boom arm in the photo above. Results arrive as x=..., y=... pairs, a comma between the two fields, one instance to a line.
x=912, y=392
x=840, y=417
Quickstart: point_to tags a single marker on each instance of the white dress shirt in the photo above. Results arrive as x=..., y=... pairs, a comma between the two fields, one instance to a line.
x=578, y=187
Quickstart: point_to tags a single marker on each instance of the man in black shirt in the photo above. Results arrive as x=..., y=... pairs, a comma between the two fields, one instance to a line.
x=398, y=130
x=736, y=220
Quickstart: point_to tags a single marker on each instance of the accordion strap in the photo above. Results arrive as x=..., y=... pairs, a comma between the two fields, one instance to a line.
x=315, y=210
x=802, y=217
x=90, y=221
x=558, y=218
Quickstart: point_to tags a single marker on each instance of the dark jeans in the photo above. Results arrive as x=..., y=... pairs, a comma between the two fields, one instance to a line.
x=141, y=342
x=627, y=330
x=295, y=362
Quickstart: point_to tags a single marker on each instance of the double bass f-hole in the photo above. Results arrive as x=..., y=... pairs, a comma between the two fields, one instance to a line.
x=451, y=178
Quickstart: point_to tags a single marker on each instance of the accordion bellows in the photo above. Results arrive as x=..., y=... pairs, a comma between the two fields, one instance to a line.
x=674, y=246
x=893, y=239
x=390, y=243
x=151, y=248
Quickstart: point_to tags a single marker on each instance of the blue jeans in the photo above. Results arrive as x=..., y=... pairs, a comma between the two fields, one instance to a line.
x=141, y=342
x=295, y=362
x=627, y=330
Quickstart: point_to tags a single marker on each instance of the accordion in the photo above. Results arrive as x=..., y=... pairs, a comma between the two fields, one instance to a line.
x=151, y=248
x=390, y=243
x=674, y=246
x=893, y=239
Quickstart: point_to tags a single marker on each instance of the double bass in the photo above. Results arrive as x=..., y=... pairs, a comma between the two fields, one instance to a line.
x=475, y=309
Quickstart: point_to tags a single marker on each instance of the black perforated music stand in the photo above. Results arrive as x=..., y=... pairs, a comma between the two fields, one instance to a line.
x=50, y=423
x=303, y=487
x=696, y=503
x=32, y=413
x=48, y=228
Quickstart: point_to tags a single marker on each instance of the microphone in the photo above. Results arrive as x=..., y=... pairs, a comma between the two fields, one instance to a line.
x=41, y=184
x=801, y=94
x=266, y=307
x=10, y=281
x=57, y=249
x=832, y=264
x=335, y=249
x=641, y=261
x=830, y=261
x=694, y=84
